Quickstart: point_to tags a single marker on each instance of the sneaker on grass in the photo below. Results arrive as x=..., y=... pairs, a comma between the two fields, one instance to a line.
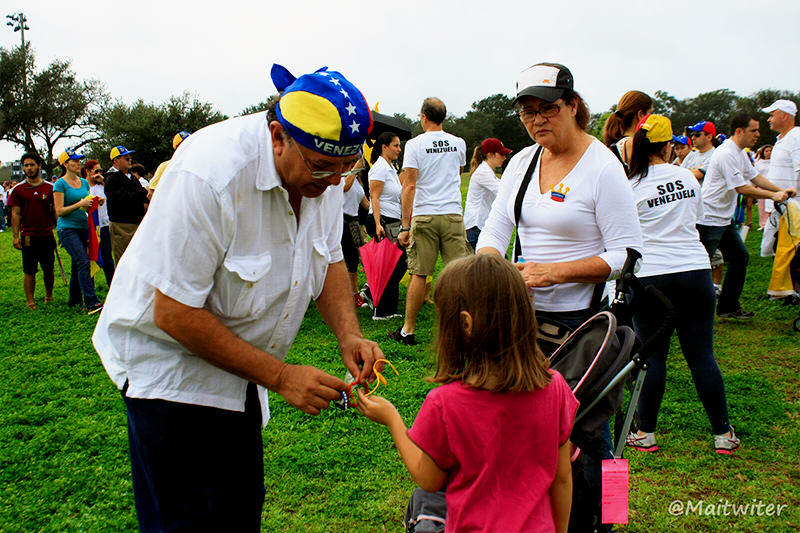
x=725, y=444
x=398, y=335
x=96, y=308
x=644, y=442
x=739, y=314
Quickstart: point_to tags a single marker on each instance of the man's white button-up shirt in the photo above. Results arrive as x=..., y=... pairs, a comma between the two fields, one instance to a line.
x=219, y=234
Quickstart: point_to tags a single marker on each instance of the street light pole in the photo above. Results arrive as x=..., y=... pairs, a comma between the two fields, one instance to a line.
x=20, y=23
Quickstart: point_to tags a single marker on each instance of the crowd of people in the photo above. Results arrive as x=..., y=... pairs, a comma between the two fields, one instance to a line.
x=257, y=215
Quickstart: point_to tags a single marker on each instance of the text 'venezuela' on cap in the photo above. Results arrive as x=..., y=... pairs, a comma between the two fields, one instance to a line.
x=119, y=151
x=547, y=81
x=322, y=111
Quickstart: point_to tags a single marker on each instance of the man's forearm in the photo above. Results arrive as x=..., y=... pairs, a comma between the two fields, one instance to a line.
x=407, y=198
x=16, y=220
x=205, y=336
x=764, y=183
x=335, y=304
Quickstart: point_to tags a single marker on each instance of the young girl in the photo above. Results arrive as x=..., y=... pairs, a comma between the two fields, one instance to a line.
x=496, y=432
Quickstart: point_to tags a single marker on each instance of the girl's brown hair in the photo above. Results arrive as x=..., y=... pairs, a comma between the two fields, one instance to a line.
x=500, y=354
x=622, y=119
x=89, y=165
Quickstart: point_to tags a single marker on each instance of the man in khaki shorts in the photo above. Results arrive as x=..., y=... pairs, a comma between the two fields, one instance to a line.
x=432, y=166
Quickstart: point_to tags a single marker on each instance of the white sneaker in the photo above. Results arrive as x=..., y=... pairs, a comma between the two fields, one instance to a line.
x=388, y=317
x=644, y=442
x=724, y=444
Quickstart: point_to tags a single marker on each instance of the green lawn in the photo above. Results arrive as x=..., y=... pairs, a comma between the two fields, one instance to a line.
x=63, y=439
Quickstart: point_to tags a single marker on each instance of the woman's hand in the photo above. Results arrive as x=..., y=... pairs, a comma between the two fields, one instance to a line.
x=85, y=203
x=377, y=409
x=539, y=274
x=101, y=200
x=380, y=233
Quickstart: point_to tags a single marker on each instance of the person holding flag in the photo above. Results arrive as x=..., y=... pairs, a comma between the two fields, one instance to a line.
x=92, y=172
x=71, y=198
x=244, y=232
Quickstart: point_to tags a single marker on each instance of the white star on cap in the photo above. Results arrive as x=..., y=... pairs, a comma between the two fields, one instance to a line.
x=351, y=109
x=334, y=81
x=345, y=94
x=354, y=127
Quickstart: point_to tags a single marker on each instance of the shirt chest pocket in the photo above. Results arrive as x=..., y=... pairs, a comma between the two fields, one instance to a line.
x=245, y=287
x=320, y=259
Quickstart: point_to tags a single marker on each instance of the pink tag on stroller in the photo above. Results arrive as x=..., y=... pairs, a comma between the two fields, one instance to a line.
x=615, y=491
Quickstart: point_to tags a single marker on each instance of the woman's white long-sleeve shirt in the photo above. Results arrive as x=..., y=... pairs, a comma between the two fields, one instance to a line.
x=483, y=187
x=591, y=212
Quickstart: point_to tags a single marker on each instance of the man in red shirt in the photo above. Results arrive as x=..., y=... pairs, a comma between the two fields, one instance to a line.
x=32, y=212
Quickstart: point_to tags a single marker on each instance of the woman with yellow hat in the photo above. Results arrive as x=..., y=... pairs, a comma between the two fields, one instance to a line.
x=71, y=198
x=669, y=203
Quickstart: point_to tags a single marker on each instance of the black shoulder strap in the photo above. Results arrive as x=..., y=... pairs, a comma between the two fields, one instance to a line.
x=523, y=187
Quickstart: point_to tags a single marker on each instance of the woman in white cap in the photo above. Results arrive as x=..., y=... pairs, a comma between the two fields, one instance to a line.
x=71, y=199
x=570, y=201
x=569, y=197
x=483, y=186
x=670, y=205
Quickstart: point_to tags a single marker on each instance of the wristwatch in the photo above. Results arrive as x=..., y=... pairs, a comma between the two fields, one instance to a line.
x=402, y=229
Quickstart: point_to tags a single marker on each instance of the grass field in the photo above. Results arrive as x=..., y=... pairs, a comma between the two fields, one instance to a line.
x=63, y=438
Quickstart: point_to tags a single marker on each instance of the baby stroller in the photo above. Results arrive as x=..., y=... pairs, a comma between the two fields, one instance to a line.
x=596, y=360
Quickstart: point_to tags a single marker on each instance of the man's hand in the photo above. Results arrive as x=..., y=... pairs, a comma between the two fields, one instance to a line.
x=307, y=388
x=380, y=233
x=780, y=196
x=17, y=242
x=791, y=191
x=538, y=274
x=359, y=356
x=377, y=409
x=404, y=238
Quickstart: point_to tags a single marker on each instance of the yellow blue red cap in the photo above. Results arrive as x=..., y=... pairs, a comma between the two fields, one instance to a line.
x=178, y=139
x=66, y=155
x=658, y=128
x=322, y=111
x=119, y=151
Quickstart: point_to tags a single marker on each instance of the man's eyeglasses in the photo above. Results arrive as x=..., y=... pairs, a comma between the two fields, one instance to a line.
x=326, y=174
x=696, y=134
x=546, y=111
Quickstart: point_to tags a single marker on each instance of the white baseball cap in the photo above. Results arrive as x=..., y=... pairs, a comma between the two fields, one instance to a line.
x=787, y=106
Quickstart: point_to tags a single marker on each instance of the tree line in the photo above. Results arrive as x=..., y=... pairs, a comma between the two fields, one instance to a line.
x=42, y=107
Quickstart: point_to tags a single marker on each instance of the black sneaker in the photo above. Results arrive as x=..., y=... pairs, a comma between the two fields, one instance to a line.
x=408, y=340
x=739, y=314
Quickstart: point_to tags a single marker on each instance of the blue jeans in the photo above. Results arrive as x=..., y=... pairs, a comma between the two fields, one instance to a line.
x=2, y=217
x=692, y=295
x=727, y=239
x=81, y=286
x=196, y=468
x=105, y=252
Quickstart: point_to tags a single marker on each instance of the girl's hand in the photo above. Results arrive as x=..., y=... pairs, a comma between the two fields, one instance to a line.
x=101, y=200
x=377, y=409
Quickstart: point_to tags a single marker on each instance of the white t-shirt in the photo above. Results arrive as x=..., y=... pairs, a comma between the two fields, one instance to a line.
x=352, y=198
x=438, y=156
x=390, y=195
x=728, y=168
x=784, y=166
x=670, y=205
x=590, y=213
x=695, y=159
x=102, y=211
x=762, y=166
x=221, y=236
x=483, y=187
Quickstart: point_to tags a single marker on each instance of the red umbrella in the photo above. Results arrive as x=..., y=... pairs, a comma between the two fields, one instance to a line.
x=379, y=260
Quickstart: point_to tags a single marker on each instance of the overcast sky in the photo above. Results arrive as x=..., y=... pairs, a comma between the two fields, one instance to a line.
x=398, y=53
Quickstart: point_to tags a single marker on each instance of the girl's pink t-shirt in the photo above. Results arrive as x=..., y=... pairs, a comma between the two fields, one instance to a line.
x=500, y=452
